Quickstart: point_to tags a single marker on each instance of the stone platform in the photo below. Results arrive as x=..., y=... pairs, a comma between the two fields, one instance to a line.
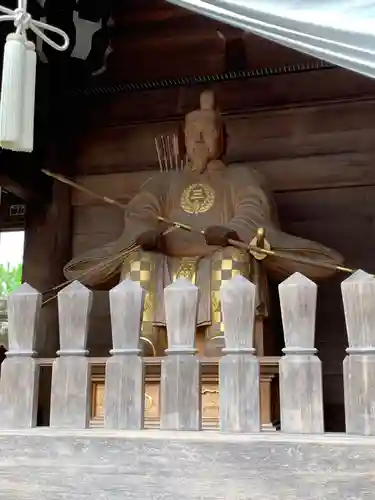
x=152, y=465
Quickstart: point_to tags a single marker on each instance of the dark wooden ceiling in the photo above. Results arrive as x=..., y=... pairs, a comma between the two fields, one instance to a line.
x=151, y=40
x=156, y=40
x=156, y=45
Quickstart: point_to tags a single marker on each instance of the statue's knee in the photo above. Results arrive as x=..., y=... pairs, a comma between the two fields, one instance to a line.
x=138, y=267
x=229, y=262
x=226, y=264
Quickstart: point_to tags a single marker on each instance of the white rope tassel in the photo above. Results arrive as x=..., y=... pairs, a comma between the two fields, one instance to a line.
x=26, y=143
x=17, y=101
x=12, y=91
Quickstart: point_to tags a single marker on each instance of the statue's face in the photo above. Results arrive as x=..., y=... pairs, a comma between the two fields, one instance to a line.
x=203, y=142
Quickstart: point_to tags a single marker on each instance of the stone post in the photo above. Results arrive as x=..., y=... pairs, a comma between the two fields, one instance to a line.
x=180, y=370
x=71, y=374
x=4, y=322
x=358, y=293
x=239, y=368
x=301, y=388
x=19, y=382
x=124, y=382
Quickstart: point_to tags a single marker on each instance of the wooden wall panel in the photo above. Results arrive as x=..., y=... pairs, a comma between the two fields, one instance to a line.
x=84, y=242
x=316, y=172
x=119, y=186
x=260, y=136
x=168, y=60
x=327, y=204
x=97, y=218
x=95, y=225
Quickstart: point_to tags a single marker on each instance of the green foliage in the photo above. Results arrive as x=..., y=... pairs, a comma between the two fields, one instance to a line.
x=10, y=278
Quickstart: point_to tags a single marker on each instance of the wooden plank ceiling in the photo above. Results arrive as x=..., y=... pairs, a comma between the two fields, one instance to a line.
x=154, y=40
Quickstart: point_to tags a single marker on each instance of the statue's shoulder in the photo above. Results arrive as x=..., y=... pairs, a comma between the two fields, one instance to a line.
x=157, y=182
x=245, y=174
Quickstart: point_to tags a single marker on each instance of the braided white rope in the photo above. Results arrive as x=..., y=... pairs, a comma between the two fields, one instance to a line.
x=23, y=21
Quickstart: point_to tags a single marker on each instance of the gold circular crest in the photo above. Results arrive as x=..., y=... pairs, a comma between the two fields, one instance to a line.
x=197, y=198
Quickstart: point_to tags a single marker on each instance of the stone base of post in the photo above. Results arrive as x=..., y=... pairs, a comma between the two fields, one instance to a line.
x=180, y=393
x=239, y=376
x=19, y=386
x=359, y=391
x=124, y=392
x=70, y=392
x=301, y=393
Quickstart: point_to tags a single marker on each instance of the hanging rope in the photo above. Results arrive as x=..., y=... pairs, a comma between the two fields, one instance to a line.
x=23, y=21
x=17, y=100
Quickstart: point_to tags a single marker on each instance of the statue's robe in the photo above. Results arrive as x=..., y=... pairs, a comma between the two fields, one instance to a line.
x=234, y=197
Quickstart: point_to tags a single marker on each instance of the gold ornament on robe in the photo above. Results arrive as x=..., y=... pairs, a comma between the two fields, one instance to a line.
x=187, y=269
x=197, y=198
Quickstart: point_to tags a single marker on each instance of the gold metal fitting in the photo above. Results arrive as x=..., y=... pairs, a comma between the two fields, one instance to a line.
x=218, y=337
x=180, y=225
x=259, y=241
x=148, y=341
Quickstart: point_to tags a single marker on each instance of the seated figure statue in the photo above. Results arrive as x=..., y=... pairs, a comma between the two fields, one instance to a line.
x=228, y=203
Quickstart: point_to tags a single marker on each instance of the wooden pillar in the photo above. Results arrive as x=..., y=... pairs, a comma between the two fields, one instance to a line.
x=19, y=377
x=180, y=383
x=239, y=368
x=358, y=293
x=124, y=381
x=71, y=373
x=301, y=387
x=47, y=249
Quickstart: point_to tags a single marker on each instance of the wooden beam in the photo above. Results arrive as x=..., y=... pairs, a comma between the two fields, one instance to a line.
x=234, y=51
x=31, y=186
x=20, y=175
x=239, y=96
x=15, y=188
x=12, y=213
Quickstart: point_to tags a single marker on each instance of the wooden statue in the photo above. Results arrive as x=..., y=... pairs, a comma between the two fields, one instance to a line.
x=227, y=203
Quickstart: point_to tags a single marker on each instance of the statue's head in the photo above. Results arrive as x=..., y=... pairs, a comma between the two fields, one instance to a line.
x=204, y=133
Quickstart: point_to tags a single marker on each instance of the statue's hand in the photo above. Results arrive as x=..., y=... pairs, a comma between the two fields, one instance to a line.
x=151, y=240
x=219, y=235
